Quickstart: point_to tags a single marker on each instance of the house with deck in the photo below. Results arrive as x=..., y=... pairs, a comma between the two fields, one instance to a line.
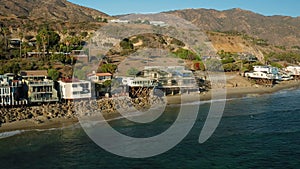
x=172, y=79
x=39, y=88
x=99, y=77
x=99, y=87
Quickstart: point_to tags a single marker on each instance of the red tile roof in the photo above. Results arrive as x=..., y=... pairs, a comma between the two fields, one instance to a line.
x=103, y=74
x=100, y=74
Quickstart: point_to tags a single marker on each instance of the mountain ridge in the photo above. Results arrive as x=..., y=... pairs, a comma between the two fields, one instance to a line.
x=277, y=29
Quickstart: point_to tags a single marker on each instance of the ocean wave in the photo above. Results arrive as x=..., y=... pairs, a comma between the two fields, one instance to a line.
x=17, y=132
x=10, y=133
x=202, y=102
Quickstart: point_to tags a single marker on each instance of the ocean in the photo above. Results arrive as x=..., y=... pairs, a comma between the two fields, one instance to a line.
x=255, y=132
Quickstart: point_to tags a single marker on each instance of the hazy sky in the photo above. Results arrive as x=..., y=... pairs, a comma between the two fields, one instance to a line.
x=265, y=7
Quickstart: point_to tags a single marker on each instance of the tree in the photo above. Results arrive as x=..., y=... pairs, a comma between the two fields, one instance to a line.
x=47, y=38
x=107, y=68
x=41, y=38
x=10, y=67
x=21, y=35
x=5, y=32
x=54, y=39
x=107, y=85
x=53, y=74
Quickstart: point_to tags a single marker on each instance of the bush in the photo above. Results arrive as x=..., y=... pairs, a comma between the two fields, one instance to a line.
x=132, y=71
x=186, y=54
x=126, y=44
x=229, y=67
x=275, y=64
x=228, y=60
x=53, y=74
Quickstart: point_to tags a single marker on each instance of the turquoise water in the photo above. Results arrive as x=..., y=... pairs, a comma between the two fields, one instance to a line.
x=256, y=132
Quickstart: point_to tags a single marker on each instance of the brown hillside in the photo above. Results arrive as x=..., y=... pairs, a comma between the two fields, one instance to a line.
x=277, y=30
x=60, y=10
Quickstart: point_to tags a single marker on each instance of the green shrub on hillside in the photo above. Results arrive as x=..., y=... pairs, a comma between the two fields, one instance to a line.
x=186, y=54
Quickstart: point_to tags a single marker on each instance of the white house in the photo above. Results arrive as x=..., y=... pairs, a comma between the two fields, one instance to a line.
x=99, y=77
x=294, y=70
x=264, y=72
x=11, y=91
x=75, y=89
x=137, y=82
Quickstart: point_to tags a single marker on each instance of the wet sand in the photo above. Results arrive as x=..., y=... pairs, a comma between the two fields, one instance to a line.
x=30, y=124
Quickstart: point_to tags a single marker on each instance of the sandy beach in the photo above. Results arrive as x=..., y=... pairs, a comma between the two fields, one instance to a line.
x=30, y=124
x=231, y=92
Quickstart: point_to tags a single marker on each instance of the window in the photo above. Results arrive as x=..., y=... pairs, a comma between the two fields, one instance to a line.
x=76, y=93
x=74, y=85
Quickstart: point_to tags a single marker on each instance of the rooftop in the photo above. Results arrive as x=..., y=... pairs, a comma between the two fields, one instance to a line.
x=100, y=74
x=34, y=73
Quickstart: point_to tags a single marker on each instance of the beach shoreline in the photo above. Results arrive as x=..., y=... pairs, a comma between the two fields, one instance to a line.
x=230, y=93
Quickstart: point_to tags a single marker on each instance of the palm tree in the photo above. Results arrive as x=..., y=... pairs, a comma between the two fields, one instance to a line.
x=21, y=35
x=42, y=38
x=4, y=31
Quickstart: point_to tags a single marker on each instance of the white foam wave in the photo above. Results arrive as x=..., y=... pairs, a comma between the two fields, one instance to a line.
x=10, y=133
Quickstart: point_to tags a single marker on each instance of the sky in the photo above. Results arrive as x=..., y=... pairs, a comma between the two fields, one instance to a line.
x=265, y=7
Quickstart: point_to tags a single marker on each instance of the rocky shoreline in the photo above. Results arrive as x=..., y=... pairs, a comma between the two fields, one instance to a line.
x=71, y=110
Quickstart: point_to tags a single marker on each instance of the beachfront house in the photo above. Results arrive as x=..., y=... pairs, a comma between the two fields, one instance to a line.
x=39, y=88
x=11, y=91
x=100, y=83
x=99, y=77
x=293, y=70
x=138, y=82
x=170, y=75
x=70, y=89
x=136, y=86
x=172, y=79
x=264, y=72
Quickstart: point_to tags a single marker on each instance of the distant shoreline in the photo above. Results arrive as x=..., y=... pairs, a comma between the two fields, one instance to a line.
x=231, y=92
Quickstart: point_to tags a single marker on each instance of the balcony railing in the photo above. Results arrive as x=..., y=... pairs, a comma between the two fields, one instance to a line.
x=40, y=83
x=54, y=99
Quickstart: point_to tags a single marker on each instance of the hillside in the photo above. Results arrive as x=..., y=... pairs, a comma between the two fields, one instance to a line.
x=60, y=10
x=27, y=16
x=277, y=30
